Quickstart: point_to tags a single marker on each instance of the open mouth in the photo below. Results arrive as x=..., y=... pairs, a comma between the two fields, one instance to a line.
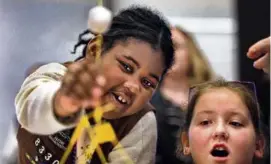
x=121, y=99
x=219, y=151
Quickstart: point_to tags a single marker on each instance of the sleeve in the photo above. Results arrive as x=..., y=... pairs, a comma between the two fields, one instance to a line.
x=34, y=102
x=139, y=145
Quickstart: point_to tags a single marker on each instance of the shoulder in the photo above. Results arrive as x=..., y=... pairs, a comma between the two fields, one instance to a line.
x=50, y=70
x=148, y=118
x=147, y=125
x=52, y=66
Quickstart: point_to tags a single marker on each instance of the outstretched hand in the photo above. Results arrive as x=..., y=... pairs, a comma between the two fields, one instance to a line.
x=260, y=52
x=82, y=87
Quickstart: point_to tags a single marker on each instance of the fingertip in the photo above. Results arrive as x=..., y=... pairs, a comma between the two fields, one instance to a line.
x=257, y=64
x=96, y=92
x=251, y=52
x=101, y=80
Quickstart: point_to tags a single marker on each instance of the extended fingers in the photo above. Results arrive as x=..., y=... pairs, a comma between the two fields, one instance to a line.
x=259, y=48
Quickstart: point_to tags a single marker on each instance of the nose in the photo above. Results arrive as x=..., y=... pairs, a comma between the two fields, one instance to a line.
x=221, y=132
x=132, y=85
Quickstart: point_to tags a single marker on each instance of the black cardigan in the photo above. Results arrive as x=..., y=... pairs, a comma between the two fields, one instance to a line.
x=170, y=120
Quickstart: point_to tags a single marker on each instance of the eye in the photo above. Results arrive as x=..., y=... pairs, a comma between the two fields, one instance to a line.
x=126, y=67
x=205, y=122
x=236, y=124
x=147, y=84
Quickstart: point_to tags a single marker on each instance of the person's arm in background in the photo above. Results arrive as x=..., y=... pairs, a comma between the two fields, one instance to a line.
x=260, y=52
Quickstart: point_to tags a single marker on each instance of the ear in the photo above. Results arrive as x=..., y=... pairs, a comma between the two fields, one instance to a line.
x=260, y=145
x=185, y=143
x=93, y=49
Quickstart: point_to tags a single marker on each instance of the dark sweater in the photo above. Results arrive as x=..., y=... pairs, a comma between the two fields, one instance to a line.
x=170, y=120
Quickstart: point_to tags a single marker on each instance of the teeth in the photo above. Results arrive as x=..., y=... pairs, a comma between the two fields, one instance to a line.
x=219, y=148
x=121, y=99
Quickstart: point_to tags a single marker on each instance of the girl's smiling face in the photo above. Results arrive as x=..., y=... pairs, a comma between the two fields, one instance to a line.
x=133, y=70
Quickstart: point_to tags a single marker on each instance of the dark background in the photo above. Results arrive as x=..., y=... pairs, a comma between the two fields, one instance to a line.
x=253, y=19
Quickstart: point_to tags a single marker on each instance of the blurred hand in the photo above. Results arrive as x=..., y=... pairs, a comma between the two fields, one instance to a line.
x=260, y=52
x=82, y=87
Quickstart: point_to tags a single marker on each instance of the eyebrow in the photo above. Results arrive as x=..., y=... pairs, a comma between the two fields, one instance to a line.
x=132, y=60
x=138, y=65
x=154, y=76
x=228, y=113
x=205, y=112
x=237, y=114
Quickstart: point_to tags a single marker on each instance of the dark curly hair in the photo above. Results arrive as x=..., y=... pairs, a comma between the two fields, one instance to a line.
x=139, y=23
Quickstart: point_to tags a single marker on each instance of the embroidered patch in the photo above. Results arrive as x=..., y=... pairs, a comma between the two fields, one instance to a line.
x=61, y=139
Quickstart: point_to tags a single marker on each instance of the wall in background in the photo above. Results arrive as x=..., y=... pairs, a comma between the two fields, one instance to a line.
x=34, y=31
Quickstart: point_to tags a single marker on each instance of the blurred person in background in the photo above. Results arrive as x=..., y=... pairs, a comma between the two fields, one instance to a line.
x=191, y=67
